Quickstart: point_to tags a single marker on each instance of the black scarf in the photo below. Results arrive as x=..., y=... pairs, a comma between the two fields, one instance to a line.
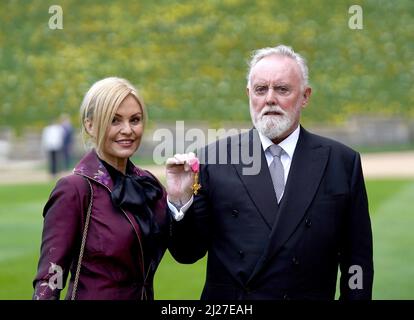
x=137, y=194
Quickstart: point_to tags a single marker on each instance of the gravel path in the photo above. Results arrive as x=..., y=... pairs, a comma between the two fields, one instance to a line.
x=389, y=165
x=375, y=165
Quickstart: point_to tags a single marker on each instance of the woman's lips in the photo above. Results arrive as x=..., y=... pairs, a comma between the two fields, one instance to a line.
x=125, y=143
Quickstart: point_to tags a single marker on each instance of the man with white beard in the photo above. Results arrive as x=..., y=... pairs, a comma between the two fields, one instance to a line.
x=282, y=233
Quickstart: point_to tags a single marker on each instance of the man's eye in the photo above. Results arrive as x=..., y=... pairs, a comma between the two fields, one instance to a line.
x=260, y=90
x=282, y=90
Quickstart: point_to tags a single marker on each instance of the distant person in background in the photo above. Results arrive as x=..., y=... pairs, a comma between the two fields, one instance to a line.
x=67, y=141
x=52, y=143
x=106, y=224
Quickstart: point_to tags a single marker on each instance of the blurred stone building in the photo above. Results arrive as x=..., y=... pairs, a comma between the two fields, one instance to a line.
x=358, y=132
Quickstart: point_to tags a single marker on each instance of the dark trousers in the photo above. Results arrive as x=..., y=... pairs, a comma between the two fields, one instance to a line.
x=53, y=162
x=66, y=157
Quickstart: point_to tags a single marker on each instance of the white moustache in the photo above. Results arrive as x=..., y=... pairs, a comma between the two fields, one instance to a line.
x=275, y=109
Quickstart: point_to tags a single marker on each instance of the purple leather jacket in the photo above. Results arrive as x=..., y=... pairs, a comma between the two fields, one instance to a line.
x=113, y=265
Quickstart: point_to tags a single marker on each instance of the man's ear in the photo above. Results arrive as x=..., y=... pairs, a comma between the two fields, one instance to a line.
x=89, y=127
x=306, y=96
x=247, y=91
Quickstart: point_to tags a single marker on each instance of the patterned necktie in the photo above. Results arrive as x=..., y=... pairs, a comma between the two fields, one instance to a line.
x=276, y=170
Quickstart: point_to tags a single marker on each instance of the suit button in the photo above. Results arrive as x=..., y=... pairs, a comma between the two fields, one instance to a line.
x=295, y=261
x=308, y=222
x=241, y=254
x=235, y=213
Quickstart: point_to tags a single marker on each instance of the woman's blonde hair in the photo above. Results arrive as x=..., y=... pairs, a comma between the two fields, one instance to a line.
x=100, y=104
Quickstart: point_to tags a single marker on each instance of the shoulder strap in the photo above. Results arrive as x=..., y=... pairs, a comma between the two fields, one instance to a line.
x=82, y=247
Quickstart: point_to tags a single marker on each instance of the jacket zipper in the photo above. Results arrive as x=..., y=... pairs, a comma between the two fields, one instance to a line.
x=135, y=230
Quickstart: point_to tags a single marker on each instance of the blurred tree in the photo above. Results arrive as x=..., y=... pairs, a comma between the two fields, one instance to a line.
x=189, y=57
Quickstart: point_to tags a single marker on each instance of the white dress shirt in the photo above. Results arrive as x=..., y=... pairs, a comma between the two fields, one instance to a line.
x=178, y=214
x=288, y=145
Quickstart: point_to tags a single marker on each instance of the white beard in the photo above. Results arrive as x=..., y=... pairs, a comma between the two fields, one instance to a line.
x=273, y=126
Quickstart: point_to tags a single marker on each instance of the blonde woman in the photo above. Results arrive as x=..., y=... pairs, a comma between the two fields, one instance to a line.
x=107, y=223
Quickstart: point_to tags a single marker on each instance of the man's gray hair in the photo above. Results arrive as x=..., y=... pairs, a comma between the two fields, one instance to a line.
x=283, y=51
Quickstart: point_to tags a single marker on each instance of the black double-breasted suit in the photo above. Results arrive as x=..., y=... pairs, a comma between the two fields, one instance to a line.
x=259, y=249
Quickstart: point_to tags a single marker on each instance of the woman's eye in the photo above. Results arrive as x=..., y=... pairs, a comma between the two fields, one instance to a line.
x=115, y=121
x=136, y=120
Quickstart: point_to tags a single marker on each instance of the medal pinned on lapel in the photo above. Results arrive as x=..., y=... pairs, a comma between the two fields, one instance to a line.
x=194, y=164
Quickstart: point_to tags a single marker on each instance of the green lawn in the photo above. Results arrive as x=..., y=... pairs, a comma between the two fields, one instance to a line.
x=392, y=220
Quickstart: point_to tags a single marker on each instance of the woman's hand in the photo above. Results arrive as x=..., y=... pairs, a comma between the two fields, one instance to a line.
x=180, y=171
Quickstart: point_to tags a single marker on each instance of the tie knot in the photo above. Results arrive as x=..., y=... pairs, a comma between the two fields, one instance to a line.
x=275, y=150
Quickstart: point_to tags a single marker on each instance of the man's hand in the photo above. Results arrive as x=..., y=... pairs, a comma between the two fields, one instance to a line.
x=180, y=172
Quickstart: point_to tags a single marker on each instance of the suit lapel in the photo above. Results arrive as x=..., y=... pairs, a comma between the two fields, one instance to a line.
x=306, y=171
x=259, y=186
x=308, y=165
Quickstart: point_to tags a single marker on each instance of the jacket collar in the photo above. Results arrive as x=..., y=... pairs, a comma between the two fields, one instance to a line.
x=259, y=186
x=307, y=169
x=90, y=166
